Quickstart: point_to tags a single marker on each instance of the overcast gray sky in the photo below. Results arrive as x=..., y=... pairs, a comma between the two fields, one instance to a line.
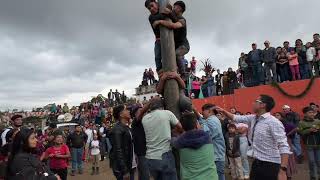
x=69, y=50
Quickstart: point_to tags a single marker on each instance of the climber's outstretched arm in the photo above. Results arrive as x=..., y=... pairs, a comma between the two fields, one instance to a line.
x=178, y=78
x=162, y=81
x=177, y=25
x=169, y=75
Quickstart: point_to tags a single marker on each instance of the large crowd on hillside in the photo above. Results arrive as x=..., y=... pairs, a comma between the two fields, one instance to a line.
x=137, y=139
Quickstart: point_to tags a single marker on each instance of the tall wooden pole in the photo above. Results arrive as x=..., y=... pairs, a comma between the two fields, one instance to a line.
x=171, y=88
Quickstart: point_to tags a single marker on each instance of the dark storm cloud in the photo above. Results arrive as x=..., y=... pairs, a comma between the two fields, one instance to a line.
x=65, y=50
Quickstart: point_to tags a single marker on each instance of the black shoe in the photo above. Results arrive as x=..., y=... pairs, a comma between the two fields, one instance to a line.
x=72, y=173
x=93, y=171
x=97, y=170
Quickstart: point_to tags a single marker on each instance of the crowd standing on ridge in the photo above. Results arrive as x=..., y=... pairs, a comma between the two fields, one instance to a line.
x=263, y=66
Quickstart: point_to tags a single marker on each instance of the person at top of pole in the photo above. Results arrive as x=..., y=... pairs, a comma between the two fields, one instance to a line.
x=179, y=26
x=154, y=16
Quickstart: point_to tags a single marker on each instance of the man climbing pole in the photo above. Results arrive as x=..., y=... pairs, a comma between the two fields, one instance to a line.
x=174, y=45
x=166, y=21
x=179, y=27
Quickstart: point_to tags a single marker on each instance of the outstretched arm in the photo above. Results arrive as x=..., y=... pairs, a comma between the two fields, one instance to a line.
x=167, y=76
x=161, y=83
x=226, y=113
x=176, y=76
x=142, y=111
x=171, y=25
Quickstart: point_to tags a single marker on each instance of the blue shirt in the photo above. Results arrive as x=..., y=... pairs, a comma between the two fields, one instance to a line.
x=210, y=81
x=212, y=125
x=185, y=62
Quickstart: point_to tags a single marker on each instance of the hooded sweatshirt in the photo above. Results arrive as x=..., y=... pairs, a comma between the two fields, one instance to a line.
x=196, y=153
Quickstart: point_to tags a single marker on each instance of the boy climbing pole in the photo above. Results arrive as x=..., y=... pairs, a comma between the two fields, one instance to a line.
x=155, y=15
x=179, y=27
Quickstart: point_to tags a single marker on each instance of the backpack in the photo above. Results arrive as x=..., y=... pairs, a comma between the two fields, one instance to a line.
x=4, y=136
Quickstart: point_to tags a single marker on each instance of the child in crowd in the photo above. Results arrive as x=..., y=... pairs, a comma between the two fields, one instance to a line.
x=233, y=152
x=294, y=64
x=243, y=130
x=309, y=129
x=95, y=153
x=58, y=155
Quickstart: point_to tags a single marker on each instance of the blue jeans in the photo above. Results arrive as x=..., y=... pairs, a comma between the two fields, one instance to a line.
x=143, y=168
x=244, y=158
x=157, y=55
x=284, y=72
x=220, y=169
x=296, y=145
x=211, y=90
x=205, y=92
x=258, y=74
x=109, y=146
x=164, y=169
x=314, y=162
x=76, y=158
x=305, y=71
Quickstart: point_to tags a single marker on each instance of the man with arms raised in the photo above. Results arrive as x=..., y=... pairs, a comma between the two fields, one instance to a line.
x=269, y=146
x=157, y=126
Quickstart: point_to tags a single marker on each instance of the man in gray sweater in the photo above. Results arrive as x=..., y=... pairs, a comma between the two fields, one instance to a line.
x=269, y=56
x=255, y=62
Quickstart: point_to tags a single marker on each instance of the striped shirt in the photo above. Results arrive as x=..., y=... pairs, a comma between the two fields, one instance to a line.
x=267, y=137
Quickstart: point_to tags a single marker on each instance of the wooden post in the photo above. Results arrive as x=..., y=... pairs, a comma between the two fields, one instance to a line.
x=171, y=88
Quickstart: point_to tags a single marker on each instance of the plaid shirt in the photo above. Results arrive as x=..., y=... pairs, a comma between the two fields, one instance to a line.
x=267, y=137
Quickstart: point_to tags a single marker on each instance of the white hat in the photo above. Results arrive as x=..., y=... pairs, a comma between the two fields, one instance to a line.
x=286, y=107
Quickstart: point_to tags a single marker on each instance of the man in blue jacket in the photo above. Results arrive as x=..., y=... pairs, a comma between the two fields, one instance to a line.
x=212, y=125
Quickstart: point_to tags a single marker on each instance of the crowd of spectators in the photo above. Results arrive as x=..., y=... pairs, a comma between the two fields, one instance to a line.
x=148, y=77
x=263, y=66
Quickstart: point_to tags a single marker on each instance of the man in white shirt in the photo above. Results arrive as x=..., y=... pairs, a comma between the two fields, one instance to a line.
x=269, y=148
x=89, y=132
x=311, y=57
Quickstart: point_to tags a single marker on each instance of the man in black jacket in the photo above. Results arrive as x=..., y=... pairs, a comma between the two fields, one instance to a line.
x=121, y=155
x=139, y=141
x=76, y=142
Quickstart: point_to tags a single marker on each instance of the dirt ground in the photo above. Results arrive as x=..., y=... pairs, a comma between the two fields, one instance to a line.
x=106, y=173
